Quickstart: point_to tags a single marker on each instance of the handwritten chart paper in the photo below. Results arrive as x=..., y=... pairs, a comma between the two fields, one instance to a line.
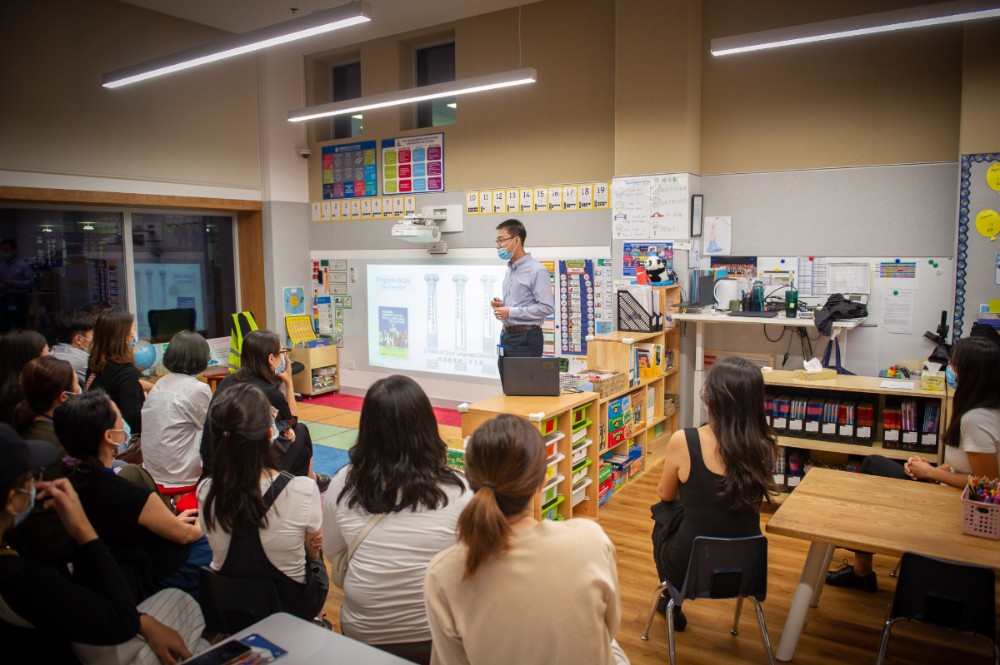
x=651, y=207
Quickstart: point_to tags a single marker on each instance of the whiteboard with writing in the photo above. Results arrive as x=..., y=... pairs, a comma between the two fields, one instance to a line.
x=653, y=207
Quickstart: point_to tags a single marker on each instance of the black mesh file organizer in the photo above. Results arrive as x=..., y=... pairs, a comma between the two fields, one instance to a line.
x=633, y=317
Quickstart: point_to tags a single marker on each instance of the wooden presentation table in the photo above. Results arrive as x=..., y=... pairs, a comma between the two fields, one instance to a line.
x=871, y=514
x=700, y=319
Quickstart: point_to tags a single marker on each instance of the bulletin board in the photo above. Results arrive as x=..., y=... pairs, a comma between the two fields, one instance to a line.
x=977, y=269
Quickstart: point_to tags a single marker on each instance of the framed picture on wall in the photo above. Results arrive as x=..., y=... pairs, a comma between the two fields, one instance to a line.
x=697, y=214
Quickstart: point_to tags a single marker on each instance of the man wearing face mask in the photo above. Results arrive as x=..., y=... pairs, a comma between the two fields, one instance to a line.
x=527, y=296
x=76, y=331
x=16, y=278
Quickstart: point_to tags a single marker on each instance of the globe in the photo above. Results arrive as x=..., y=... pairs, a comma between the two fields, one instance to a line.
x=144, y=355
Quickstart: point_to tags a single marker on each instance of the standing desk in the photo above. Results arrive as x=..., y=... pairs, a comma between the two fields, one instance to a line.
x=883, y=515
x=701, y=319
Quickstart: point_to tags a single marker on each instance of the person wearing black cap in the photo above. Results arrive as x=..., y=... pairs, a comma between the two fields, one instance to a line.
x=44, y=613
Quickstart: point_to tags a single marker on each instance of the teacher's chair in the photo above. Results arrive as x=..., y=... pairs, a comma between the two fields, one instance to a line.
x=719, y=568
x=943, y=593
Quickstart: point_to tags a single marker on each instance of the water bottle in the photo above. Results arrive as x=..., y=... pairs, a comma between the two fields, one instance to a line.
x=791, y=303
x=757, y=296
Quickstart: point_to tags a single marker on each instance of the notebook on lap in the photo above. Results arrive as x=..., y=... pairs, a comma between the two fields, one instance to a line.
x=531, y=376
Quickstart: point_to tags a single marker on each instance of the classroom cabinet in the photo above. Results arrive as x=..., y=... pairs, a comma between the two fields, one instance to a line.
x=841, y=420
x=637, y=418
x=568, y=426
x=320, y=375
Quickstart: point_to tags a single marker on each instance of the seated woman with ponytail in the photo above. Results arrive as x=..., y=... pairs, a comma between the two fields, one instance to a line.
x=515, y=577
x=261, y=522
x=46, y=382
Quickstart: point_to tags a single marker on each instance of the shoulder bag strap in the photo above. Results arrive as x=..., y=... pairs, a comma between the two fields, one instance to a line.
x=277, y=486
x=364, y=533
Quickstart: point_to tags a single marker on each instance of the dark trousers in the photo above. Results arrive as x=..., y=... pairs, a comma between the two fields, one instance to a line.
x=527, y=344
x=295, y=457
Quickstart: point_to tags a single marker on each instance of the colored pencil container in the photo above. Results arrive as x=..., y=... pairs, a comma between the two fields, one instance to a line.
x=980, y=519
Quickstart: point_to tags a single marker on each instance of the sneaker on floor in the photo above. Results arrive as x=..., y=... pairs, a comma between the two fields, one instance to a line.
x=323, y=481
x=848, y=579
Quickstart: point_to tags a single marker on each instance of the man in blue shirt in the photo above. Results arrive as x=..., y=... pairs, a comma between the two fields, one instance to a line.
x=527, y=296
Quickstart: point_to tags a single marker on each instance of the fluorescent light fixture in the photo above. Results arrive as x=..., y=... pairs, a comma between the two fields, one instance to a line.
x=868, y=24
x=453, y=105
x=316, y=23
x=420, y=94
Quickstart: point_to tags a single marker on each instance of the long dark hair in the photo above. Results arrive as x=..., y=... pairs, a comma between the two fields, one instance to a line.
x=400, y=461
x=734, y=394
x=43, y=381
x=258, y=345
x=977, y=364
x=505, y=465
x=110, y=341
x=80, y=425
x=17, y=349
x=238, y=422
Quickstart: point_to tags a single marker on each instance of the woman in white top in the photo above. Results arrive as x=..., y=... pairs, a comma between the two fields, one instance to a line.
x=173, y=415
x=398, y=470
x=507, y=591
x=261, y=522
x=972, y=440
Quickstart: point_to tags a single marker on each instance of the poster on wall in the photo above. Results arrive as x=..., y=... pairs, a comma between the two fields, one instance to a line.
x=635, y=254
x=604, y=296
x=350, y=170
x=413, y=164
x=576, y=306
x=654, y=207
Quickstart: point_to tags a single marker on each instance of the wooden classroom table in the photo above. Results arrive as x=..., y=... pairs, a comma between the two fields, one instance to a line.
x=883, y=515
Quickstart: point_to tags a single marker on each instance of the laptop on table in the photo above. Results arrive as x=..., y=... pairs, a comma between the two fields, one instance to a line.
x=535, y=377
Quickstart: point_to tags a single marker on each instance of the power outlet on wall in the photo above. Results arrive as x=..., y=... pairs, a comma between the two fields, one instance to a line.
x=351, y=364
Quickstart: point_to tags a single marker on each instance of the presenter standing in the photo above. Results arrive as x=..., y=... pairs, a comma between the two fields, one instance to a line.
x=527, y=296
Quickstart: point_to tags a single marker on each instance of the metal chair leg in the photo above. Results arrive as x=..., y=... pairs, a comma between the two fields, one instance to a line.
x=736, y=619
x=652, y=609
x=670, y=632
x=763, y=629
x=883, y=645
x=895, y=571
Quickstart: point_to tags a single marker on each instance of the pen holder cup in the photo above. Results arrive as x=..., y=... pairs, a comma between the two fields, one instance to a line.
x=980, y=519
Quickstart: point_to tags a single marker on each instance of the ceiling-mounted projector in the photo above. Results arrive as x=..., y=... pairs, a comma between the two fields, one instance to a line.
x=417, y=228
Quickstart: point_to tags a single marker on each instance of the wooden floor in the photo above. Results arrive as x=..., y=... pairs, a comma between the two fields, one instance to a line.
x=845, y=628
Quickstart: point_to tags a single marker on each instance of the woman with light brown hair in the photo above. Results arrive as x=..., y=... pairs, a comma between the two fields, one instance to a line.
x=512, y=575
x=112, y=366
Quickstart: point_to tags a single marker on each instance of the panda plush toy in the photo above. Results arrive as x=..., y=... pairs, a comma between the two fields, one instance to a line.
x=654, y=267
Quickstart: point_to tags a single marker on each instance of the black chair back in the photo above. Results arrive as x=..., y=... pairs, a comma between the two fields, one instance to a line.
x=727, y=568
x=947, y=594
x=164, y=323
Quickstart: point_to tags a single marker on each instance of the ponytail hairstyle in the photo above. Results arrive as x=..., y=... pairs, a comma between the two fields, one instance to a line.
x=80, y=425
x=734, y=394
x=977, y=363
x=43, y=381
x=239, y=422
x=505, y=466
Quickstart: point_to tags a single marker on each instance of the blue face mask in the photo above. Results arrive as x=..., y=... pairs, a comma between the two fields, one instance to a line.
x=951, y=377
x=127, y=429
x=504, y=253
x=23, y=515
x=284, y=363
x=274, y=431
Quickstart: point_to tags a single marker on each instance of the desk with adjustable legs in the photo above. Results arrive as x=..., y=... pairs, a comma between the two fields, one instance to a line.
x=701, y=319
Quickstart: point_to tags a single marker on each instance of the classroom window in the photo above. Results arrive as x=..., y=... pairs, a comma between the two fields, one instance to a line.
x=436, y=64
x=345, y=83
x=75, y=257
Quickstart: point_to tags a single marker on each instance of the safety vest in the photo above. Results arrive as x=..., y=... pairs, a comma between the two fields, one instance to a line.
x=243, y=323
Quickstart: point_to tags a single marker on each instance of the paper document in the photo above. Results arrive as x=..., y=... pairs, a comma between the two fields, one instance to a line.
x=897, y=311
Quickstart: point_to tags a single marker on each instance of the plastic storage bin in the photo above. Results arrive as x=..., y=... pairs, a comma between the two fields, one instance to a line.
x=552, y=443
x=548, y=425
x=550, y=470
x=551, y=489
x=550, y=510
x=980, y=519
x=580, y=491
x=580, y=451
x=580, y=470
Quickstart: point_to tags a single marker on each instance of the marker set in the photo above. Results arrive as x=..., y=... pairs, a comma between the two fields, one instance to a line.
x=826, y=419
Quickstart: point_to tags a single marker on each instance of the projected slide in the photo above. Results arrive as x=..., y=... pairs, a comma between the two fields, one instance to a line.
x=434, y=318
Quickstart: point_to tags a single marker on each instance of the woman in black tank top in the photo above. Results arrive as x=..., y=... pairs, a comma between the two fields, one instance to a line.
x=706, y=503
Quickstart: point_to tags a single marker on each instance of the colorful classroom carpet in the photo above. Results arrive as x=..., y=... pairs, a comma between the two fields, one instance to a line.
x=333, y=420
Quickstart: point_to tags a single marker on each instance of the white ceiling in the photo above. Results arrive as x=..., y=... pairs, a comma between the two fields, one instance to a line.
x=389, y=17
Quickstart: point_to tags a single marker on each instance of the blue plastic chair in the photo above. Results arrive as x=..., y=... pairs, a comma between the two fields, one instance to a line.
x=719, y=568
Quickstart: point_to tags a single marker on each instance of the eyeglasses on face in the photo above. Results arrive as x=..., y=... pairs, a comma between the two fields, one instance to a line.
x=503, y=241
